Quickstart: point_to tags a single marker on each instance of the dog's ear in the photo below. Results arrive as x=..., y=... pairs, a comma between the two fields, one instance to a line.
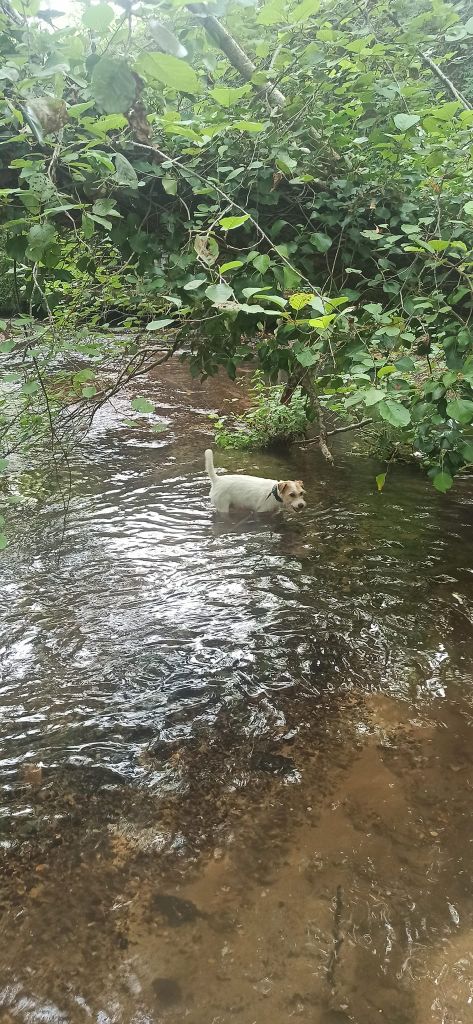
x=282, y=484
x=300, y=483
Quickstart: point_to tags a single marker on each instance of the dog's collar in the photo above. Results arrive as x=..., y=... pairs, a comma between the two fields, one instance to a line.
x=275, y=493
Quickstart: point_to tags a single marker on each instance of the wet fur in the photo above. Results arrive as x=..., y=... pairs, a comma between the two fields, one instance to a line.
x=252, y=493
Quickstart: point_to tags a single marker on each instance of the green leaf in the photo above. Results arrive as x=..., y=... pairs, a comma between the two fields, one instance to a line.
x=77, y=109
x=87, y=226
x=320, y=241
x=218, y=293
x=373, y=395
x=124, y=172
x=89, y=391
x=439, y=244
x=394, y=413
x=232, y=265
x=82, y=375
x=455, y=32
x=166, y=39
x=286, y=163
x=40, y=239
x=3, y=465
x=262, y=263
x=380, y=481
x=3, y=541
x=467, y=452
x=169, y=185
x=335, y=303
x=306, y=357
x=105, y=208
x=442, y=482
x=227, y=97
x=172, y=72
x=406, y=121
x=113, y=86
x=271, y=13
x=467, y=372
x=100, y=220
x=156, y=325
x=304, y=10
x=277, y=299
x=405, y=363
x=229, y=223
x=317, y=303
x=460, y=410
x=31, y=387
x=250, y=126
x=386, y=370
x=300, y=299
x=195, y=282
x=410, y=229
x=322, y=322
x=98, y=17
x=249, y=292
x=142, y=405
x=468, y=207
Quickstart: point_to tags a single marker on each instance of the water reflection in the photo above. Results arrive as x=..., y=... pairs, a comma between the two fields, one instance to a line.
x=318, y=668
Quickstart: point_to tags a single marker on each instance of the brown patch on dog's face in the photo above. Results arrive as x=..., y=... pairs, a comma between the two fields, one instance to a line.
x=292, y=493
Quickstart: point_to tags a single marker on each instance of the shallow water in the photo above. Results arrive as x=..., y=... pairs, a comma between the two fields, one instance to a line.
x=255, y=740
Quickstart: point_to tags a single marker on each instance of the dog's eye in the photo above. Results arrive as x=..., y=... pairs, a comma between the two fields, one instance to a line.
x=292, y=494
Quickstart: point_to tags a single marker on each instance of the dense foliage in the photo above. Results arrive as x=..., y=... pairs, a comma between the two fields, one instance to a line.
x=286, y=180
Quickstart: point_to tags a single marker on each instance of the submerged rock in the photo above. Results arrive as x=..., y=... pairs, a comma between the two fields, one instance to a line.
x=273, y=764
x=175, y=910
x=167, y=990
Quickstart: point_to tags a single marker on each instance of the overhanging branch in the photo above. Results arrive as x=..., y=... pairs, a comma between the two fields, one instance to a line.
x=234, y=53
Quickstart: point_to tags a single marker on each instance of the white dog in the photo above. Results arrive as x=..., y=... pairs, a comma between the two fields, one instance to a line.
x=252, y=493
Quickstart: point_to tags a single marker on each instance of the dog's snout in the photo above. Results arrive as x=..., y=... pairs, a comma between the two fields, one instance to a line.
x=300, y=505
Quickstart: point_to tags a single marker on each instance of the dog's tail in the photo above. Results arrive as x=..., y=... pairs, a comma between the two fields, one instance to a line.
x=209, y=466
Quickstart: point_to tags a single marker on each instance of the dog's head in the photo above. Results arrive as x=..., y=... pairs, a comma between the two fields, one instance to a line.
x=292, y=493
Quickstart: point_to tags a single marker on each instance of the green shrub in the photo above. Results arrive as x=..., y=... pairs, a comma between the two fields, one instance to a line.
x=267, y=422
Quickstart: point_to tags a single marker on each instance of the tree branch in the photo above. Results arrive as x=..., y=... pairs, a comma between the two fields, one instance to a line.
x=452, y=89
x=446, y=81
x=234, y=53
x=337, y=430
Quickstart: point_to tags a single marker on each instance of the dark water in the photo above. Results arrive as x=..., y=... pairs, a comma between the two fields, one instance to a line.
x=231, y=708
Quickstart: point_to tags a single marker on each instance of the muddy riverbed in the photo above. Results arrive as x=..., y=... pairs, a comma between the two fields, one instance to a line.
x=237, y=756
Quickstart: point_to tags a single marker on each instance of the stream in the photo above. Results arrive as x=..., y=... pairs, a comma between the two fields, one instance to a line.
x=236, y=762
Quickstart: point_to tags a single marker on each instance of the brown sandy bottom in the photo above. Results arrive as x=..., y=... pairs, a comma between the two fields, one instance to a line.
x=332, y=885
